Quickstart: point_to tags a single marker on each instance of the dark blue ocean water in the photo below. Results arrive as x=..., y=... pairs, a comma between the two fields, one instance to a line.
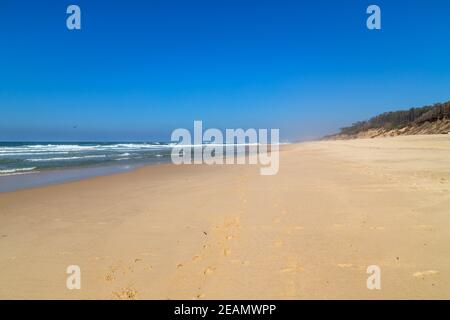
x=30, y=164
x=25, y=157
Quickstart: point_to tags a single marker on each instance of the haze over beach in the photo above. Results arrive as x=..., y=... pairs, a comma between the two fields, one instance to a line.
x=336, y=186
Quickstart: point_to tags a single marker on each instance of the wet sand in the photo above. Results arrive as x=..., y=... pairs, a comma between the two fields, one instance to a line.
x=227, y=232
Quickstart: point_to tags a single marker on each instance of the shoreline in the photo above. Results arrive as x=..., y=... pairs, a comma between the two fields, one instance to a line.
x=12, y=183
x=226, y=232
x=55, y=176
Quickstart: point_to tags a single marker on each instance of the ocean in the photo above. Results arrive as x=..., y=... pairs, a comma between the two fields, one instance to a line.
x=25, y=157
x=28, y=164
x=32, y=164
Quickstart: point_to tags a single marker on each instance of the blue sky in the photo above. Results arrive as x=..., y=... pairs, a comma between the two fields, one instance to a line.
x=139, y=69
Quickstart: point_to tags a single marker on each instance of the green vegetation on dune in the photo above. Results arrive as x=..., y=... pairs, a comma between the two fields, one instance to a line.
x=401, y=119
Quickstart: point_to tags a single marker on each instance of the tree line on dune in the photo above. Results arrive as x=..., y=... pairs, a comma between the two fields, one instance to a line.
x=399, y=119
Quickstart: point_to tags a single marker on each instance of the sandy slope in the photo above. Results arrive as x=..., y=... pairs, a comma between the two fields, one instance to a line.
x=441, y=126
x=205, y=232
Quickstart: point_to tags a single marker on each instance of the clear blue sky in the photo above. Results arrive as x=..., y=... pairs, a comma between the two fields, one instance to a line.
x=139, y=69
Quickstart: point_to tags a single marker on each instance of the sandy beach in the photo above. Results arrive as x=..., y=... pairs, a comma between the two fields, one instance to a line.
x=227, y=232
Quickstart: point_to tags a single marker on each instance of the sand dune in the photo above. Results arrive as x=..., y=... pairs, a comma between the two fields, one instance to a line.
x=222, y=232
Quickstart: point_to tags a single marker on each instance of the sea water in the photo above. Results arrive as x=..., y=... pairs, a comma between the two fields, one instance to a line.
x=28, y=164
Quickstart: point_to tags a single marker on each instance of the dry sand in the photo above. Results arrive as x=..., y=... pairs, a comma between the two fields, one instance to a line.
x=213, y=232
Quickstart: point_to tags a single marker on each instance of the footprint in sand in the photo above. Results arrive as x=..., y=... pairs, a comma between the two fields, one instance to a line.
x=200, y=296
x=113, y=271
x=197, y=257
x=119, y=269
x=110, y=277
x=127, y=293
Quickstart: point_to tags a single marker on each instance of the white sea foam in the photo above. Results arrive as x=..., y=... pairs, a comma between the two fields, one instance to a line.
x=7, y=172
x=31, y=149
x=43, y=153
x=135, y=146
x=65, y=158
x=48, y=148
